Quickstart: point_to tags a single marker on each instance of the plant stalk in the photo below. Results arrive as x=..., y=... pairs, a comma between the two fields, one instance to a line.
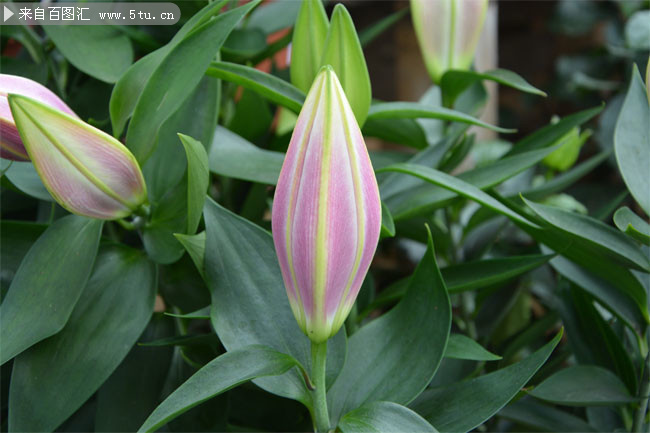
x=644, y=390
x=319, y=395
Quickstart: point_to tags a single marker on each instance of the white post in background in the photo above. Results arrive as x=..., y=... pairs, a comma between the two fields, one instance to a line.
x=487, y=58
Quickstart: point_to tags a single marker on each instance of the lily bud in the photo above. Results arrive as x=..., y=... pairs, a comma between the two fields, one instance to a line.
x=11, y=146
x=87, y=171
x=448, y=32
x=326, y=211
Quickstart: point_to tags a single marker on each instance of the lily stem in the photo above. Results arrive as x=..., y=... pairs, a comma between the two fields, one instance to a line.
x=644, y=389
x=126, y=224
x=319, y=396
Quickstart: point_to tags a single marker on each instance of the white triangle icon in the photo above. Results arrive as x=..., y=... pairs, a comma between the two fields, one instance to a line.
x=7, y=14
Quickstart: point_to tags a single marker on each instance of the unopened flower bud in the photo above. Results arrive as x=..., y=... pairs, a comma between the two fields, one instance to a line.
x=87, y=171
x=326, y=211
x=448, y=32
x=11, y=146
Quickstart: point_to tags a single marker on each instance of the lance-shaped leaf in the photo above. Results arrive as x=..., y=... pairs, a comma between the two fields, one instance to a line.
x=462, y=406
x=632, y=141
x=110, y=315
x=48, y=282
x=600, y=237
x=198, y=178
x=343, y=52
x=309, y=34
x=177, y=75
x=219, y=375
x=448, y=32
x=455, y=82
x=87, y=171
x=583, y=385
x=131, y=84
x=632, y=224
x=326, y=211
x=382, y=417
x=394, y=357
x=11, y=146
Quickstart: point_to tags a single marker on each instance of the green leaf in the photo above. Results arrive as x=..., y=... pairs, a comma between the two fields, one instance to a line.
x=370, y=33
x=183, y=340
x=196, y=117
x=133, y=391
x=394, y=184
x=252, y=116
x=271, y=87
x=99, y=334
x=383, y=417
x=384, y=158
x=467, y=276
x=594, y=233
x=460, y=346
x=632, y=224
x=549, y=134
x=434, y=129
x=416, y=110
x=128, y=89
x=394, y=357
x=24, y=177
x=456, y=185
x=592, y=340
x=583, y=385
x=632, y=141
x=610, y=296
x=203, y=313
x=250, y=304
x=426, y=197
x=168, y=216
x=5, y=164
x=343, y=52
x=543, y=418
x=308, y=43
x=274, y=16
x=182, y=287
x=178, y=73
x=221, y=374
x=387, y=223
x=16, y=238
x=562, y=181
x=455, y=82
x=484, y=273
x=593, y=260
x=48, y=284
x=103, y=52
x=406, y=132
x=195, y=247
x=244, y=44
x=233, y=156
x=463, y=406
x=198, y=178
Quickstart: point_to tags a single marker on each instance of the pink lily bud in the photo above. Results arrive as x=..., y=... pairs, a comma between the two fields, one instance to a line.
x=326, y=211
x=87, y=171
x=448, y=32
x=11, y=146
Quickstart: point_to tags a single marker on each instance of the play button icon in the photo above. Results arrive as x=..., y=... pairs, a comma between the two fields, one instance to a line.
x=7, y=14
